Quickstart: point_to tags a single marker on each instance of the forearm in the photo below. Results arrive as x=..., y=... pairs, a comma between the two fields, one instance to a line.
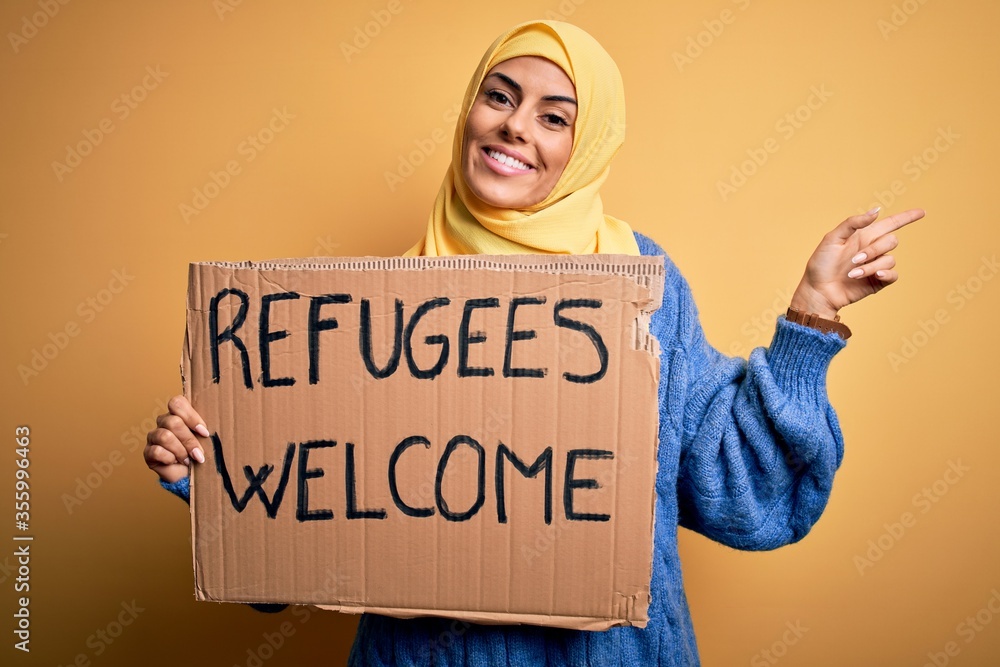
x=760, y=442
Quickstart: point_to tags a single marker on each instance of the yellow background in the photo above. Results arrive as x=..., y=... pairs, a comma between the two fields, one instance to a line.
x=891, y=90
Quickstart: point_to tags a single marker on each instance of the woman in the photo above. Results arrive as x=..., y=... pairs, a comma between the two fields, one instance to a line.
x=748, y=448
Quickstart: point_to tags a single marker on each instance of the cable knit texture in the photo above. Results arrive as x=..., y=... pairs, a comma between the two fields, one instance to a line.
x=748, y=451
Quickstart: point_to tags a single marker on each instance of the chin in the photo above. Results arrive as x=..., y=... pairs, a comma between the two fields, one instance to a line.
x=502, y=198
x=506, y=202
x=498, y=201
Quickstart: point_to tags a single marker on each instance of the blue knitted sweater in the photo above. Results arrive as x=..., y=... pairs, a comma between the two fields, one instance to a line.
x=747, y=455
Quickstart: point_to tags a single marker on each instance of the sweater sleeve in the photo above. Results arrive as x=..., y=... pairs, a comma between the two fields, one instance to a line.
x=760, y=442
x=182, y=489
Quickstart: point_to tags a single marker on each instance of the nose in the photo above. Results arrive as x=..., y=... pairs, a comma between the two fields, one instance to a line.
x=516, y=125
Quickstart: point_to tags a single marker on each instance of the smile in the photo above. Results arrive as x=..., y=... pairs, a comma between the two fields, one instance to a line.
x=505, y=164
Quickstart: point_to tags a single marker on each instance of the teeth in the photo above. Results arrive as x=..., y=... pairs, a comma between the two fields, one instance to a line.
x=508, y=160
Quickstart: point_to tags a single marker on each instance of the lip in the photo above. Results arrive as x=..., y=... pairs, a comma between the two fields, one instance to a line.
x=502, y=168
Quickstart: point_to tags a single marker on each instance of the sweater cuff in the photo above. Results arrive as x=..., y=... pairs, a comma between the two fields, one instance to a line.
x=799, y=357
x=181, y=488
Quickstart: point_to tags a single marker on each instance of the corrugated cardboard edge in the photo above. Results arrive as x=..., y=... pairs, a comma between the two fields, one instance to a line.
x=496, y=618
x=647, y=270
x=186, y=392
x=488, y=618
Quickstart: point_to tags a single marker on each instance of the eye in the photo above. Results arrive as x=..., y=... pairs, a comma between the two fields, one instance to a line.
x=497, y=97
x=555, y=119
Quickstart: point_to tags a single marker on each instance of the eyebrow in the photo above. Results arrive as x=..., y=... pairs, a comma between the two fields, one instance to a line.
x=548, y=98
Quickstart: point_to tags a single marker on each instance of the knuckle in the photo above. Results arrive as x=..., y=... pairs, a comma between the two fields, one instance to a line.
x=176, y=404
x=161, y=437
x=173, y=422
x=160, y=457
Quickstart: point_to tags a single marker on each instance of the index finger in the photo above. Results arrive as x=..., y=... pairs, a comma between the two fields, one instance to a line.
x=180, y=406
x=894, y=222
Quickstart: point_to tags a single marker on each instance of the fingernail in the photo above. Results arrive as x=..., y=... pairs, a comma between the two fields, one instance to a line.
x=880, y=274
x=187, y=461
x=855, y=273
x=201, y=430
x=874, y=210
x=198, y=456
x=860, y=257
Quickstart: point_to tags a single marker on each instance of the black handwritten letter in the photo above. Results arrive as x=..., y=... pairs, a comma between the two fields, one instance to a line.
x=366, y=341
x=316, y=325
x=544, y=460
x=256, y=481
x=595, y=338
x=465, y=338
x=302, y=511
x=393, y=489
x=571, y=457
x=267, y=337
x=352, y=494
x=481, y=485
x=524, y=334
x=441, y=339
x=229, y=334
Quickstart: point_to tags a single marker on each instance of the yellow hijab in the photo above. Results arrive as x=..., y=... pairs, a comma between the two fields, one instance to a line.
x=571, y=219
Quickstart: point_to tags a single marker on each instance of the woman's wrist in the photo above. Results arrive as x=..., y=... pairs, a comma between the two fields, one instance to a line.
x=807, y=300
x=809, y=308
x=814, y=321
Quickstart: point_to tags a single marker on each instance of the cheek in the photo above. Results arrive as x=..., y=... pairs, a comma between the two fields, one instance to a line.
x=559, y=154
x=474, y=124
x=469, y=138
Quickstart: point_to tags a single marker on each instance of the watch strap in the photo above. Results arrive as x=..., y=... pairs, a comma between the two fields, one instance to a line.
x=816, y=322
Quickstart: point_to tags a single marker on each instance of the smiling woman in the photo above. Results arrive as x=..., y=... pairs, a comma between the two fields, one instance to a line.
x=541, y=120
x=525, y=104
x=748, y=448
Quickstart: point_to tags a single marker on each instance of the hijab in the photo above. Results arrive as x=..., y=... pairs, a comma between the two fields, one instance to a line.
x=571, y=219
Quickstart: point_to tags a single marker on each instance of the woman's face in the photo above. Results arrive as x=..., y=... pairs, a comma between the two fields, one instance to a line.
x=519, y=132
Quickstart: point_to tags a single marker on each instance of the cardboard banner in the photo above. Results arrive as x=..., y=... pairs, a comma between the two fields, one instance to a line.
x=472, y=436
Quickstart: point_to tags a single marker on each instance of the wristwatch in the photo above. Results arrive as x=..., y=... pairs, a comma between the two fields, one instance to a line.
x=816, y=322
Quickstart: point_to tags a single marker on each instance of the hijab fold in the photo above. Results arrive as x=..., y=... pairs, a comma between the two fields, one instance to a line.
x=571, y=219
